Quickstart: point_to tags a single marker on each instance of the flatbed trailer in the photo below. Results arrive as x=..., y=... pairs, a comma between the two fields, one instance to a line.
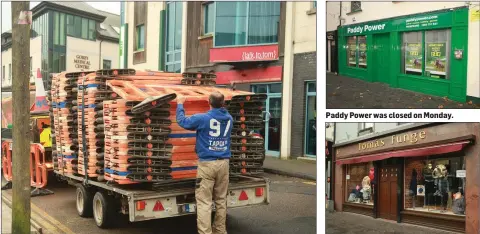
x=159, y=200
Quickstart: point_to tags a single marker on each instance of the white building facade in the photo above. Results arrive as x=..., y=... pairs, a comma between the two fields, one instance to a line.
x=66, y=36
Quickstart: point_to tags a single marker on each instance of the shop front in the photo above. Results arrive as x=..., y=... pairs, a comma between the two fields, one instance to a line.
x=425, y=52
x=426, y=175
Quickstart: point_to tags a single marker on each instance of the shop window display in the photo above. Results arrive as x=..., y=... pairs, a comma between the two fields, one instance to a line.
x=435, y=184
x=362, y=51
x=360, y=183
x=426, y=53
x=357, y=51
x=412, y=56
x=352, y=51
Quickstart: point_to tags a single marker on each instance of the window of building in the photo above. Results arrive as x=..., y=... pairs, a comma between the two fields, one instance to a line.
x=59, y=28
x=91, y=30
x=3, y=73
x=70, y=25
x=140, y=24
x=360, y=183
x=311, y=120
x=62, y=36
x=9, y=71
x=208, y=17
x=173, y=48
x=426, y=53
x=78, y=27
x=365, y=128
x=140, y=37
x=357, y=51
x=355, y=6
x=31, y=67
x=56, y=30
x=107, y=64
x=436, y=184
x=84, y=33
x=314, y=4
x=412, y=56
x=362, y=51
x=246, y=23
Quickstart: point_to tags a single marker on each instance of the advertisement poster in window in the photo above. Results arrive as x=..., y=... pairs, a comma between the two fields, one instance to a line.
x=352, y=51
x=362, y=49
x=413, y=57
x=436, y=60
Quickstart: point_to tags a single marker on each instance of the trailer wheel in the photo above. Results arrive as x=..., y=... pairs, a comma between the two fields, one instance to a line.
x=84, y=201
x=103, y=209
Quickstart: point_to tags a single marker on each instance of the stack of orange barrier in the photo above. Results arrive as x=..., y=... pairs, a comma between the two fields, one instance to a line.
x=92, y=91
x=63, y=95
x=129, y=136
x=179, y=144
x=248, y=152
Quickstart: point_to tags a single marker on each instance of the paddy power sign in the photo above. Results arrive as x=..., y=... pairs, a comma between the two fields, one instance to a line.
x=407, y=23
x=366, y=28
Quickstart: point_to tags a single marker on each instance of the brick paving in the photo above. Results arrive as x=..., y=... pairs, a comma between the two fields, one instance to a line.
x=350, y=223
x=346, y=92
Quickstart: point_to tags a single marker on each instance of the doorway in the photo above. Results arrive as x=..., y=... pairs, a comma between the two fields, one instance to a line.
x=381, y=57
x=387, y=195
x=272, y=115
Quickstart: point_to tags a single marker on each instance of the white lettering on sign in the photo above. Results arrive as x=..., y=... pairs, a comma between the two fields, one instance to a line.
x=366, y=28
x=249, y=56
x=81, y=62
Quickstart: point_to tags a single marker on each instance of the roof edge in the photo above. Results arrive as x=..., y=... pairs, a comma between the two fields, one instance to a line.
x=44, y=6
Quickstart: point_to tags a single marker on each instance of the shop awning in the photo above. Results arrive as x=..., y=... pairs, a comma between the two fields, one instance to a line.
x=424, y=151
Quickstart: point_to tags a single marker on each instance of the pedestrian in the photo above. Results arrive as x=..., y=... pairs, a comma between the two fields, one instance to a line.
x=213, y=149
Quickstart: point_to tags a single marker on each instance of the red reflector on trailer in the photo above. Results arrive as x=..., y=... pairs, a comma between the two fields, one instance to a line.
x=158, y=206
x=141, y=205
x=243, y=196
x=258, y=192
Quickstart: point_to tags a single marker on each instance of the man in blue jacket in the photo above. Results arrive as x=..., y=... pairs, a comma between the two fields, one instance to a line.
x=213, y=149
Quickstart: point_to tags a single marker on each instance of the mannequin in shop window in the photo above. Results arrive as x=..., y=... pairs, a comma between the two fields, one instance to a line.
x=428, y=181
x=413, y=187
x=440, y=174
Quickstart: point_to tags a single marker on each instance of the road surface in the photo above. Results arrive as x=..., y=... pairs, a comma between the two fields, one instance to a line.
x=292, y=210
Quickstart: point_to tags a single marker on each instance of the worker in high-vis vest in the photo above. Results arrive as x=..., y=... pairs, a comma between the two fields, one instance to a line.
x=213, y=149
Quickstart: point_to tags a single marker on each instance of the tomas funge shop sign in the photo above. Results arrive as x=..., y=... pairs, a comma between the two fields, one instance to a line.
x=409, y=23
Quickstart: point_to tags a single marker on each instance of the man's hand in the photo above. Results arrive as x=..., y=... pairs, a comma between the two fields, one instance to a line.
x=181, y=99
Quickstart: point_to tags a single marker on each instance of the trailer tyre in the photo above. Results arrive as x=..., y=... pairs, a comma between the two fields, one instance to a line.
x=103, y=209
x=84, y=201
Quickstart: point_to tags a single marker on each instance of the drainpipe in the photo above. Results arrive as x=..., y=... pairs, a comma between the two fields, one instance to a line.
x=100, y=56
x=287, y=80
x=340, y=17
x=183, y=54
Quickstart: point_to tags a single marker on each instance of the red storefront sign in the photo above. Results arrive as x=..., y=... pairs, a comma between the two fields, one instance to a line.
x=256, y=75
x=244, y=53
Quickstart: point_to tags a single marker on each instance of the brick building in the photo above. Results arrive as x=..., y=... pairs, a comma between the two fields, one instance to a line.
x=419, y=173
x=264, y=47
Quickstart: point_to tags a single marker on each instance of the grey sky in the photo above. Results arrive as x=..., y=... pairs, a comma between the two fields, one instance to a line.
x=113, y=7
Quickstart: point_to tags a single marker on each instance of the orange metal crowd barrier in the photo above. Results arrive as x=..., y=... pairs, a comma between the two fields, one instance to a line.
x=7, y=160
x=38, y=167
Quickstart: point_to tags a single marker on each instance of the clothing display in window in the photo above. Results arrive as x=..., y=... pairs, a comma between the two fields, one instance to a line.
x=458, y=206
x=366, y=189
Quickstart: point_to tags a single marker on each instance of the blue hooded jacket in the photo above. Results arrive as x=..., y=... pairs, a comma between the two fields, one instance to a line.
x=213, y=132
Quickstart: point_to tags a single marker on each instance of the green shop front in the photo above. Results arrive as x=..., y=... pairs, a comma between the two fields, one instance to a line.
x=424, y=53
